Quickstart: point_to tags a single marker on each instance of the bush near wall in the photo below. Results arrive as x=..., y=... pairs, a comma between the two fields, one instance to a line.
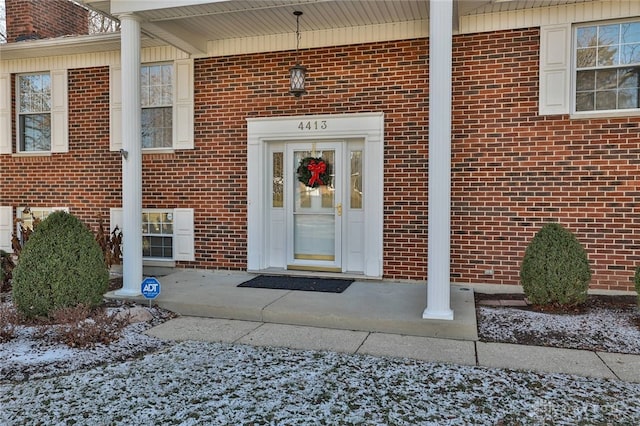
x=61, y=266
x=555, y=268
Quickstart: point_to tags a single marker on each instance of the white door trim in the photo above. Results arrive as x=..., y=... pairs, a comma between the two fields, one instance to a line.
x=260, y=131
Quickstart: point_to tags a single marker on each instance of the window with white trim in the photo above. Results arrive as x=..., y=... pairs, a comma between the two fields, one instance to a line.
x=157, y=234
x=167, y=98
x=156, y=98
x=34, y=112
x=607, y=67
x=167, y=234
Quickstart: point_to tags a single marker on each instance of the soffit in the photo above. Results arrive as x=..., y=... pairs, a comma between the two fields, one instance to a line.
x=249, y=18
x=189, y=27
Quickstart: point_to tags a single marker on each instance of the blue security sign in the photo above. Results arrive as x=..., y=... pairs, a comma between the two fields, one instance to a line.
x=150, y=288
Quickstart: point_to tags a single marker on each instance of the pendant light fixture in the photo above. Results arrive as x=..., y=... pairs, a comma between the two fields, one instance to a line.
x=297, y=73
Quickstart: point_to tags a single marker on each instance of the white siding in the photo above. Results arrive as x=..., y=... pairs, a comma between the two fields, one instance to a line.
x=320, y=38
x=87, y=60
x=542, y=16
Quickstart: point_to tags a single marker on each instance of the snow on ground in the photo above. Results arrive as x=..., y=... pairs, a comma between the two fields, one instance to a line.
x=603, y=330
x=33, y=354
x=210, y=383
x=42, y=383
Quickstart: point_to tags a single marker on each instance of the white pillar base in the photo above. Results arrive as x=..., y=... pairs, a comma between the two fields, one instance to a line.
x=446, y=314
x=127, y=292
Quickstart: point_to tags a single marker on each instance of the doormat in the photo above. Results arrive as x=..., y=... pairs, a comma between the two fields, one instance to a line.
x=327, y=285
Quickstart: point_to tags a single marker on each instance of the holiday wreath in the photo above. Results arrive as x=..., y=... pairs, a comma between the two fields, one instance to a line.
x=314, y=171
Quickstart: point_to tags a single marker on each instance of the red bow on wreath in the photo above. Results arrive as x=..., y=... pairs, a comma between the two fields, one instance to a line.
x=316, y=170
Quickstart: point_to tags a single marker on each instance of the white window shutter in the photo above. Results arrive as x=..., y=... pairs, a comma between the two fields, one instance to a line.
x=6, y=221
x=5, y=114
x=183, y=105
x=555, y=69
x=115, y=219
x=115, y=109
x=59, y=112
x=183, y=243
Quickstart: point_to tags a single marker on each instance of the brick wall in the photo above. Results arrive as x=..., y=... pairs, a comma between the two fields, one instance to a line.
x=35, y=19
x=389, y=77
x=87, y=179
x=512, y=170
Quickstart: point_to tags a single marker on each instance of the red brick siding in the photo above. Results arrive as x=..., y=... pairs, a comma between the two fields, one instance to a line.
x=514, y=170
x=87, y=179
x=389, y=77
x=44, y=19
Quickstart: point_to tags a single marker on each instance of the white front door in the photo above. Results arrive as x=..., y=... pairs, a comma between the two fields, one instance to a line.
x=314, y=191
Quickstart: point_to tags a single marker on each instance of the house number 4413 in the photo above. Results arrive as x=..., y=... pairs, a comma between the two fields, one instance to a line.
x=313, y=125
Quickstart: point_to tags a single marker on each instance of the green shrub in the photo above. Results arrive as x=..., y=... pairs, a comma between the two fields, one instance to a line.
x=61, y=266
x=555, y=268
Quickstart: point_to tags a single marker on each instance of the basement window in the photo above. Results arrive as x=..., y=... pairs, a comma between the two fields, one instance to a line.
x=157, y=234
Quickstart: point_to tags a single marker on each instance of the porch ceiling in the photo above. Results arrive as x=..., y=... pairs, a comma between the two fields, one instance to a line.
x=190, y=25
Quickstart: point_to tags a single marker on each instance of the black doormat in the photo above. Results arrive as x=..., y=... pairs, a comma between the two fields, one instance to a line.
x=327, y=285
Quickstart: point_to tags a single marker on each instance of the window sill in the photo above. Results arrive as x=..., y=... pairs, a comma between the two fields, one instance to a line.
x=146, y=151
x=604, y=114
x=32, y=154
x=160, y=263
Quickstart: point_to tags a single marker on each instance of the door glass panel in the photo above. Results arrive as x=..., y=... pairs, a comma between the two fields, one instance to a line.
x=313, y=207
x=278, y=179
x=314, y=237
x=356, y=180
x=328, y=191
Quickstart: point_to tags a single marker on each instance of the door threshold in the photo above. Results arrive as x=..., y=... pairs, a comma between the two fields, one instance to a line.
x=324, y=274
x=313, y=268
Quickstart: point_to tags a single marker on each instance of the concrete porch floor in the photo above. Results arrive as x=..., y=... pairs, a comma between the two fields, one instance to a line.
x=373, y=306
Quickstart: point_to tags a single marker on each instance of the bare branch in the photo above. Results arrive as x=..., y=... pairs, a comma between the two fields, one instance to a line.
x=100, y=23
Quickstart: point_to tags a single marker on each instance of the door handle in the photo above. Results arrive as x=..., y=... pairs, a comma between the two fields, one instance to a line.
x=339, y=209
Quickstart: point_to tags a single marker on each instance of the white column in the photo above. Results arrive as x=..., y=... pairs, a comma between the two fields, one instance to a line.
x=131, y=156
x=440, y=41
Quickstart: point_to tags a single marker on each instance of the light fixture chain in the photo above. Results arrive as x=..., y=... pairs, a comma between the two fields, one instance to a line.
x=297, y=35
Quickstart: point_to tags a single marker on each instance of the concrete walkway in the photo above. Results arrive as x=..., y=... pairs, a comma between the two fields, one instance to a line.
x=376, y=318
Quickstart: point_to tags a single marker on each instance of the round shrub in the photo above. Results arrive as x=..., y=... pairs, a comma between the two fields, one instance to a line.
x=555, y=268
x=61, y=266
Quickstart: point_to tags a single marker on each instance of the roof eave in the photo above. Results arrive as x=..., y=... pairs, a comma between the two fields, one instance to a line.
x=68, y=45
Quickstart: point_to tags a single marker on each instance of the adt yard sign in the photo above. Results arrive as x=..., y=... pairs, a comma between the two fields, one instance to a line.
x=150, y=288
